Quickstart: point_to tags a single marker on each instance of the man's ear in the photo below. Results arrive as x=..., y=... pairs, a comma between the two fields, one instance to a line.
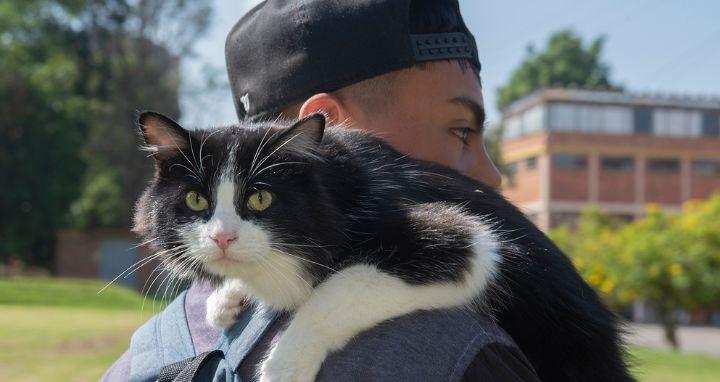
x=164, y=138
x=327, y=104
x=304, y=136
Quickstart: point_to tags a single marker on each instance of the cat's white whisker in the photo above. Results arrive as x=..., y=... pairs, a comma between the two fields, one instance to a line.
x=192, y=173
x=275, y=165
x=287, y=267
x=277, y=265
x=160, y=268
x=148, y=241
x=203, y=141
x=131, y=269
x=306, y=260
x=285, y=294
x=274, y=151
x=261, y=146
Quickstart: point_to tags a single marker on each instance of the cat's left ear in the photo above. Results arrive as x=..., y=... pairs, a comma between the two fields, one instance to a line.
x=305, y=135
x=164, y=138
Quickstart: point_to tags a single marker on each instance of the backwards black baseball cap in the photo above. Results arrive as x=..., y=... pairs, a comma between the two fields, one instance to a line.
x=284, y=51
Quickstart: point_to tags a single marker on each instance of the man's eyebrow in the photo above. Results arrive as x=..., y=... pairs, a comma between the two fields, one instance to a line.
x=477, y=109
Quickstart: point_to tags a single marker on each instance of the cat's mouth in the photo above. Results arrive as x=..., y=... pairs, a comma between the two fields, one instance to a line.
x=225, y=259
x=224, y=264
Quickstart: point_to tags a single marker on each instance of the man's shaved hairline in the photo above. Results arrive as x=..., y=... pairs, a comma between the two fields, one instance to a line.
x=376, y=94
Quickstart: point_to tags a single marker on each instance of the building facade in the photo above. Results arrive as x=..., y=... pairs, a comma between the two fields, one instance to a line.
x=567, y=148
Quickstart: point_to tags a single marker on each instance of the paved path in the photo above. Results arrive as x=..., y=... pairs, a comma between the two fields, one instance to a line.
x=705, y=340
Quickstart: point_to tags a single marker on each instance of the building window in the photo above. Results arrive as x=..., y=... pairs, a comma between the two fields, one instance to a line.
x=531, y=163
x=677, y=122
x=590, y=118
x=618, y=164
x=711, y=124
x=706, y=167
x=663, y=165
x=563, y=116
x=525, y=123
x=618, y=120
x=564, y=161
x=643, y=121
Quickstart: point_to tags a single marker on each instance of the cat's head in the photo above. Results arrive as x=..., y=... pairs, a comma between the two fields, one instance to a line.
x=247, y=202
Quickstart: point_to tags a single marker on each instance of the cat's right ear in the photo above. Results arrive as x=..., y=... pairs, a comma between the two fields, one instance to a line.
x=164, y=138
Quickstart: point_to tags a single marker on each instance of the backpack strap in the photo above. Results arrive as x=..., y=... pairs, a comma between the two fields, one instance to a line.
x=241, y=338
x=187, y=369
x=165, y=339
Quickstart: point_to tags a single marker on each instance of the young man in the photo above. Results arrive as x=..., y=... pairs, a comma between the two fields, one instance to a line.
x=407, y=71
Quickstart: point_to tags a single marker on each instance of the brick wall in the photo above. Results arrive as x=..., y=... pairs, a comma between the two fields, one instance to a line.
x=662, y=188
x=569, y=185
x=80, y=255
x=524, y=187
x=616, y=186
x=77, y=255
x=702, y=186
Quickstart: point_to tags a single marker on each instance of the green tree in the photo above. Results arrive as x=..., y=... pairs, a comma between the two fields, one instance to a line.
x=594, y=247
x=42, y=124
x=699, y=225
x=656, y=262
x=135, y=65
x=669, y=260
x=565, y=62
x=672, y=260
x=73, y=73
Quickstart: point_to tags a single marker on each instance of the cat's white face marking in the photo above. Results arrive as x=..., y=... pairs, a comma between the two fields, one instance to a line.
x=250, y=243
x=276, y=278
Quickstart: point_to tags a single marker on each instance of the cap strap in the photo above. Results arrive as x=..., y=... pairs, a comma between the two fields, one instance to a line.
x=441, y=46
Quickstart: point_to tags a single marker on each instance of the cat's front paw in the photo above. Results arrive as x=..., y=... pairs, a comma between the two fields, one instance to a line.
x=224, y=306
x=299, y=365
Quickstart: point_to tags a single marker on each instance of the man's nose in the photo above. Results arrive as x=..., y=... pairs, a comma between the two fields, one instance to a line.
x=223, y=239
x=488, y=174
x=485, y=171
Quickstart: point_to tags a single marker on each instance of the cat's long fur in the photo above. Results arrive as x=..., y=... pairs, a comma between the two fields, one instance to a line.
x=360, y=234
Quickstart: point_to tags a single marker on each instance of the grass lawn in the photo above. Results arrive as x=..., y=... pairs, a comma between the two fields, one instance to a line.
x=69, y=292
x=666, y=366
x=62, y=344
x=61, y=330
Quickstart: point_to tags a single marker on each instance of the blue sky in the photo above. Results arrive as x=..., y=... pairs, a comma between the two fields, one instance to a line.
x=668, y=46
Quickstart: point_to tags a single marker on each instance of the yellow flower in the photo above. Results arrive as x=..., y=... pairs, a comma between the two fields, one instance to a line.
x=607, y=286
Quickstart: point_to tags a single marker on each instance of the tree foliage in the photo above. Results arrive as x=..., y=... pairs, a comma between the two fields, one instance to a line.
x=74, y=72
x=565, y=62
x=135, y=65
x=669, y=260
x=42, y=124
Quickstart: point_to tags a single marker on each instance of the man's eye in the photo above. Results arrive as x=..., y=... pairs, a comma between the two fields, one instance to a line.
x=462, y=133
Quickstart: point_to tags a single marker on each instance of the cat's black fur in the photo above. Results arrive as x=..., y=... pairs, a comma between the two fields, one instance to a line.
x=351, y=198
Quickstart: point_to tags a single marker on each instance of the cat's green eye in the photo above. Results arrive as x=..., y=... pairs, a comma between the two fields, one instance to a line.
x=195, y=201
x=259, y=200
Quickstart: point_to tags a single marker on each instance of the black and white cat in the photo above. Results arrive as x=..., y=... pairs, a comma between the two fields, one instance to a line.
x=346, y=232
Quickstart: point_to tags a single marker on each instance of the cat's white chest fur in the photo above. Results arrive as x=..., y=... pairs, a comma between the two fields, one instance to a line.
x=349, y=302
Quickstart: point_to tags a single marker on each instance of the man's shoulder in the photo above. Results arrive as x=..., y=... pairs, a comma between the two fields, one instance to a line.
x=434, y=345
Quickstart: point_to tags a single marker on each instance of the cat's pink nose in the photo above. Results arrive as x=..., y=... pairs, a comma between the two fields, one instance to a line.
x=223, y=240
